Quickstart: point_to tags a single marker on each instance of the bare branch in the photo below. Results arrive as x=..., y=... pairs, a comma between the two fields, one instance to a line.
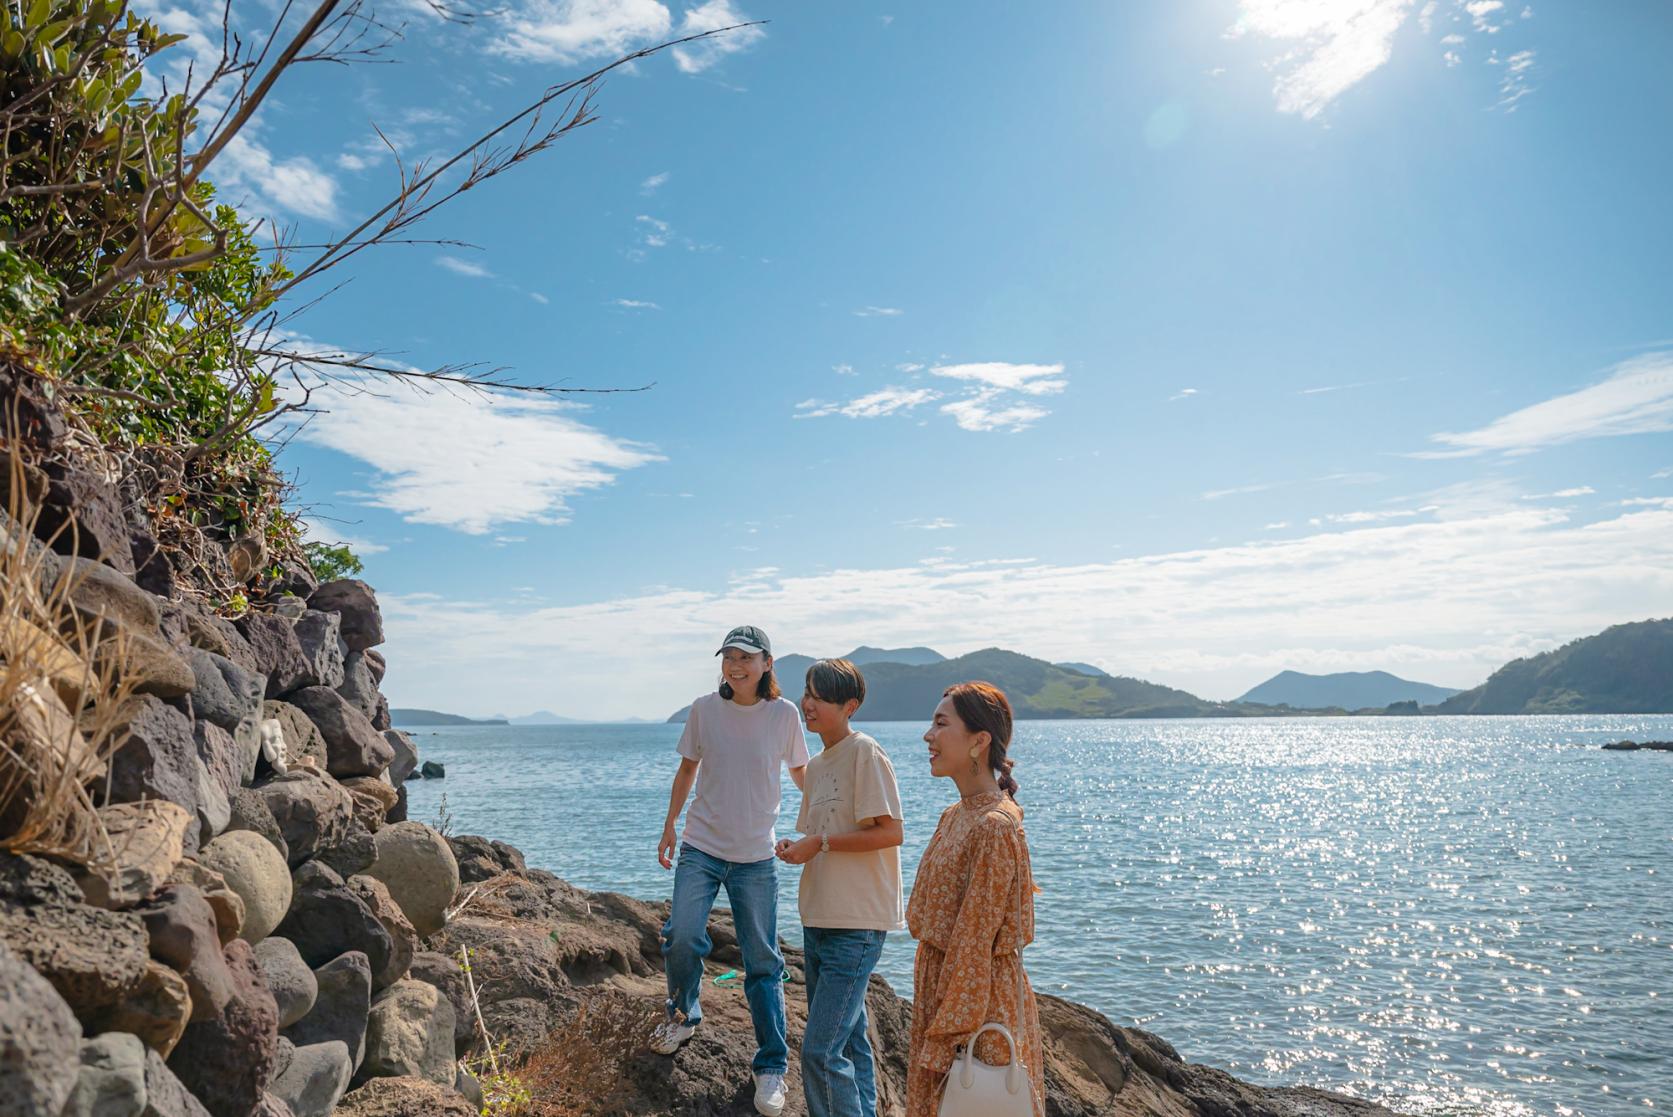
x=458, y=375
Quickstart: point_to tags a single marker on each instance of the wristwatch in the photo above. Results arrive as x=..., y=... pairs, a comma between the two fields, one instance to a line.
x=824, y=843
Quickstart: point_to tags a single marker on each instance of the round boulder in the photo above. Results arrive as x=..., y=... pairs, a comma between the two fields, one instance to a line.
x=292, y=983
x=112, y=1078
x=312, y=811
x=39, y=1041
x=316, y=1077
x=403, y=1097
x=410, y=1032
x=416, y=865
x=253, y=869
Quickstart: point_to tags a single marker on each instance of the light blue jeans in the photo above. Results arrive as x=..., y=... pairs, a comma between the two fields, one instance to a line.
x=752, y=891
x=838, y=1075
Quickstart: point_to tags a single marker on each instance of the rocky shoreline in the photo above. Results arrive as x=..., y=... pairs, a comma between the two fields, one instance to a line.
x=258, y=929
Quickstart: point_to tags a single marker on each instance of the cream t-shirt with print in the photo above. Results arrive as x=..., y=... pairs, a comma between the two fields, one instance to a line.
x=849, y=781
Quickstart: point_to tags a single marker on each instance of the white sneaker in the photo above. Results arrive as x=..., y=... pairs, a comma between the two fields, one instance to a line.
x=669, y=1035
x=769, y=1094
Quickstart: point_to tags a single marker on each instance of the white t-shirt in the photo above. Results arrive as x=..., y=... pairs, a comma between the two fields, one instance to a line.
x=740, y=750
x=851, y=780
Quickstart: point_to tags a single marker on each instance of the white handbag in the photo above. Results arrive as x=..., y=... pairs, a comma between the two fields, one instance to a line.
x=972, y=1088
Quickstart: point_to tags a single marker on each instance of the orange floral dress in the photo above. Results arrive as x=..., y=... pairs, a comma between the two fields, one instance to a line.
x=963, y=913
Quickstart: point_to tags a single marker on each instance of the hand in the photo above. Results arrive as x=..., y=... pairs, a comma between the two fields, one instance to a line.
x=799, y=852
x=783, y=844
x=665, y=850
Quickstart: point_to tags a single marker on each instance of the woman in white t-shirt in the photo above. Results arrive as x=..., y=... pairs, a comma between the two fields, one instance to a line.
x=735, y=742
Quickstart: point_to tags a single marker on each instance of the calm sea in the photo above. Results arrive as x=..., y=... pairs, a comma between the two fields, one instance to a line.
x=1458, y=915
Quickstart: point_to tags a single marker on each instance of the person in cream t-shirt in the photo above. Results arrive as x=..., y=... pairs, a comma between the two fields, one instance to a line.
x=850, y=891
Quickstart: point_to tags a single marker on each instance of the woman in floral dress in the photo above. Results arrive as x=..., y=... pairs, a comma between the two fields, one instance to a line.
x=973, y=882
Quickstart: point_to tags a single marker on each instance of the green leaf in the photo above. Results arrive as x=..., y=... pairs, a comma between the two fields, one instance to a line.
x=38, y=12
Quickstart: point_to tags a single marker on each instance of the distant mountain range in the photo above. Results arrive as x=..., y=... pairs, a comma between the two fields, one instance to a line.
x=899, y=691
x=1345, y=690
x=1626, y=669
x=540, y=717
x=411, y=717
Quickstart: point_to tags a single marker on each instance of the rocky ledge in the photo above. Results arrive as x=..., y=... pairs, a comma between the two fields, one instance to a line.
x=265, y=934
x=542, y=951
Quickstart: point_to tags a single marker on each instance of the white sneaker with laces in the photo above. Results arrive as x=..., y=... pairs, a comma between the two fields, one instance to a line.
x=669, y=1035
x=769, y=1094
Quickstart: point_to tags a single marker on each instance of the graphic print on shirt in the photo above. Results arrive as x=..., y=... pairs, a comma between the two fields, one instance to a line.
x=826, y=797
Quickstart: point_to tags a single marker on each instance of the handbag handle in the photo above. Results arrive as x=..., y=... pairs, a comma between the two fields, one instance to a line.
x=1013, y=1073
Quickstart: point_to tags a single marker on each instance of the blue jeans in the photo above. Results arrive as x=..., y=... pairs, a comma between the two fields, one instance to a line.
x=838, y=1075
x=752, y=892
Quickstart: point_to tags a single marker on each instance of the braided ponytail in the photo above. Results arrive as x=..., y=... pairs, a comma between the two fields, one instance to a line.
x=1007, y=783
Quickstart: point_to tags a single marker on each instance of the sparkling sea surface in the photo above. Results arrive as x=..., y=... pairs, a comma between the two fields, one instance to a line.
x=1448, y=915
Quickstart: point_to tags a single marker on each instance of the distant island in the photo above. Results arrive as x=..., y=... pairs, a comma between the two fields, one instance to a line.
x=411, y=717
x=1345, y=690
x=1626, y=669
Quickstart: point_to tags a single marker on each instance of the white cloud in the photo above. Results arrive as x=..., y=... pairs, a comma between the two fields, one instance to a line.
x=937, y=524
x=1378, y=516
x=1517, y=80
x=843, y=369
x=1331, y=45
x=874, y=405
x=636, y=304
x=1238, y=490
x=1183, y=393
x=1278, y=526
x=694, y=58
x=471, y=462
x=295, y=184
x=1662, y=474
x=984, y=412
x=1447, y=600
x=1562, y=494
x=539, y=298
x=650, y=185
x=316, y=530
x=1326, y=47
x=653, y=233
x=879, y=312
x=463, y=267
x=1481, y=12
x=567, y=31
x=1636, y=398
x=909, y=366
x=1033, y=380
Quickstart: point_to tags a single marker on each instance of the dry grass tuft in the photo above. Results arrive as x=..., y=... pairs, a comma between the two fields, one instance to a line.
x=60, y=715
x=483, y=900
x=578, y=1069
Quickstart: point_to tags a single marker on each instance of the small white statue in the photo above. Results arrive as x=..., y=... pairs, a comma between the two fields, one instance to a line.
x=273, y=744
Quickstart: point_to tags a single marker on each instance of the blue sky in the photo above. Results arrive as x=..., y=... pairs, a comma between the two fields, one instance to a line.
x=1197, y=341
